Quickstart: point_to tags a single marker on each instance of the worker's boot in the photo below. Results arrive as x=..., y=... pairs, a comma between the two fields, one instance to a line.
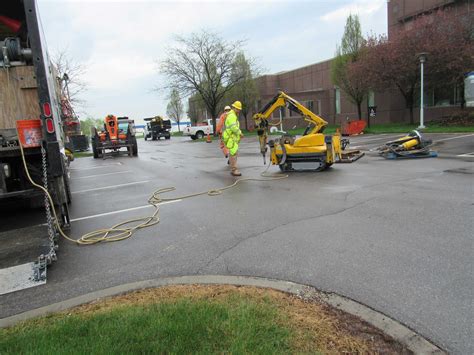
x=233, y=166
x=235, y=172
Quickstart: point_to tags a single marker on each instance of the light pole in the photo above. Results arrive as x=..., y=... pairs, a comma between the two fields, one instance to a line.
x=422, y=57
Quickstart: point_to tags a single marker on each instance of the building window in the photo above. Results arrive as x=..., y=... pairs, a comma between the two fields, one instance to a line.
x=440, y=97
x=338, y=101
x=309, y=105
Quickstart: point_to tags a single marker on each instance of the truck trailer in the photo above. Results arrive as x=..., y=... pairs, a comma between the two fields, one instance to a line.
x=30, y=101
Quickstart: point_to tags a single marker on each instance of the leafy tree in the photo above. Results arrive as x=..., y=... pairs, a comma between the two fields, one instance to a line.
x=444, y=36
x=88, y=123
x=195, y=108
x=246, y=89
x=175, y=108
x=344, y=70
x=202, y=63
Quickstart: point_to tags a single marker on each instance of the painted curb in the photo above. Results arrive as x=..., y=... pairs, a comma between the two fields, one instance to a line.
x=394, y=329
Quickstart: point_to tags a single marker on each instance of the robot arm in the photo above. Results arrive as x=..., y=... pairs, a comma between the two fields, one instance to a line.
x=282, y=100
x=262, y=123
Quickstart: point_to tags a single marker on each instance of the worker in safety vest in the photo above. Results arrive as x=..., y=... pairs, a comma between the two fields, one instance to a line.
x=232, y=135
x=219, y=127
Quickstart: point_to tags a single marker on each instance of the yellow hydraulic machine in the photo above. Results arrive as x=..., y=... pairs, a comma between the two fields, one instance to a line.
x=313, y=147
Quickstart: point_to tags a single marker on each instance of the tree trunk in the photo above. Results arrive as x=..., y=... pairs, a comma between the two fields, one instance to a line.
x=461, y=89
x=179, y=130
x=412, y=121
x=246, y=123
x=214, y=114
x=408, y=96
x=359, y=110
x=368, y=115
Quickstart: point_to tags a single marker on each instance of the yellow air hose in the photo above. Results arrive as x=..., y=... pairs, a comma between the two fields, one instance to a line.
x=119, y=231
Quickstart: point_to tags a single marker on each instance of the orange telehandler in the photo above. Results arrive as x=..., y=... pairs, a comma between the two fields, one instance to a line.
x=117, y=133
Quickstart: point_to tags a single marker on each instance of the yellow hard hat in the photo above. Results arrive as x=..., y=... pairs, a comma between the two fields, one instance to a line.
x=237, y=105
x=227, y=108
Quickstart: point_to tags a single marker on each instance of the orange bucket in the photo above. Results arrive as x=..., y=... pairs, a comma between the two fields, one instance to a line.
x=30, y=133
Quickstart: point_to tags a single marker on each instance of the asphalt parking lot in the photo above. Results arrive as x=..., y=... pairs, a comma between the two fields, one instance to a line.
x=394, y=235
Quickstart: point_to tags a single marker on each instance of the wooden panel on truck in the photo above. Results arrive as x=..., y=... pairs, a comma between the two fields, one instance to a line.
x=18, y=95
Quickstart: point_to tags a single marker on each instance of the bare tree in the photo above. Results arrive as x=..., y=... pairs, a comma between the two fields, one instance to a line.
x=246, y=89
x=202, y=63
x=71, y=77
x=175, y=108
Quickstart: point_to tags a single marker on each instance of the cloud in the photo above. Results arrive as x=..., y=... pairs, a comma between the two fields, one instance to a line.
x=360, y=7
x=121, y=40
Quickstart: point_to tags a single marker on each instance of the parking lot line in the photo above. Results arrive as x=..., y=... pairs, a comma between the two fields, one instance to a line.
x=470, y=155
x=111, y=187
x=96, y=167
x=369, y=139
x=120, y=211
x=90, y=176
x=448, y=139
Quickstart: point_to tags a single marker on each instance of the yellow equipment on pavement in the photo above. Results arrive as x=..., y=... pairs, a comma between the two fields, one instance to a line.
x=413, y=145
x=312, y=147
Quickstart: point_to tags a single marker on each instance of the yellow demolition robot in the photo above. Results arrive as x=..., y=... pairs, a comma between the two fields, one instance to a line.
x=314, y=147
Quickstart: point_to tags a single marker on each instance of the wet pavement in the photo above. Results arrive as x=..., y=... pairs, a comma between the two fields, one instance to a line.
x=394, y=235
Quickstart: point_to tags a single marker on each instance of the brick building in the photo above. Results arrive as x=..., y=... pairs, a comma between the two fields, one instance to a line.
x=312, y=84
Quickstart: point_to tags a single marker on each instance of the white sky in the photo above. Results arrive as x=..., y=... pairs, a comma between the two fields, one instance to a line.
x=121, y=42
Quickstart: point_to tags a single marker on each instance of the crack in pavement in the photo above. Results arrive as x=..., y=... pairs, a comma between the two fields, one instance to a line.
x=255, y=235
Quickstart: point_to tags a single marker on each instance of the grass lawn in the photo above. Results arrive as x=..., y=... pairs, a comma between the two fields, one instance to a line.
x=196, y=319
x=405, y=128
x=83, y=154
x=382, y=128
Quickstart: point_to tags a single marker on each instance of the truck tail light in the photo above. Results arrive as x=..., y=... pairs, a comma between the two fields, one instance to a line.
x=47, y=109
x=50, y=125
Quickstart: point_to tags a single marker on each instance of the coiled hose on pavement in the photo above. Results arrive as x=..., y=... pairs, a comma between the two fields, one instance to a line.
x=120, y=231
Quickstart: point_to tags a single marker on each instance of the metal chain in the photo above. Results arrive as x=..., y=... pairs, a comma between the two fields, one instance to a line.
x=51, y=231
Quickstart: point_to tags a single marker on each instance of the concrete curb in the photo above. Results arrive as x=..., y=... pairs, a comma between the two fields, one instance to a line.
x=394, y=329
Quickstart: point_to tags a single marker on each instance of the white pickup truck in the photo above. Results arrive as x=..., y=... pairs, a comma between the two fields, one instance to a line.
x=199, y=131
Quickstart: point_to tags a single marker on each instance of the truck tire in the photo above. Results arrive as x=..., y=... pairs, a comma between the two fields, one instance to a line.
x=168, y=136
x=95, y=152
x=145, y=137
x=193, y=137
x=134, y=147
x=199, y=134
